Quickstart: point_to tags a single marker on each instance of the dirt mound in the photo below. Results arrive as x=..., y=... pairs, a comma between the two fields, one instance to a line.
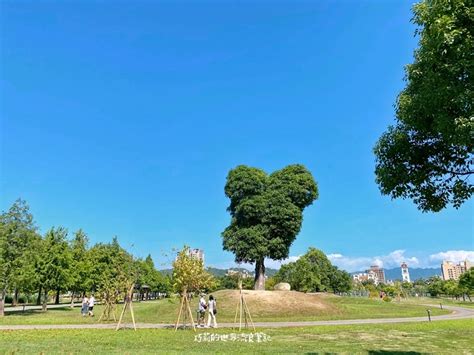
x=275, y=303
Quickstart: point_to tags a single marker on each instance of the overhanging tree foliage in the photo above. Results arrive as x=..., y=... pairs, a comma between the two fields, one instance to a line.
x=428, y=155
x=267, y=213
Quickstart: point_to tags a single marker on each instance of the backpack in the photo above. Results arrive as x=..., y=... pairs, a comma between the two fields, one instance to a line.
x=215, y=308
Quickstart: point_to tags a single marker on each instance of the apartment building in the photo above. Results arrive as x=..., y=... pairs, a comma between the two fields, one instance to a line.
x=453, y=271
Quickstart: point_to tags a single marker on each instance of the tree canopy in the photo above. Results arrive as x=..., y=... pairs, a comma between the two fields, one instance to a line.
x=189, y=274
x=17, y=238
x=313, y=272
x=267, y=213
x=55, y=262
x=427, y=155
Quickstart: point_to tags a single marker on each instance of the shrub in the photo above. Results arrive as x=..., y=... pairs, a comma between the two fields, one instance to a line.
x=387, y=299
x=374, y=294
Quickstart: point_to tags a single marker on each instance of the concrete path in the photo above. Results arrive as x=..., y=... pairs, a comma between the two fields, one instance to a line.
x=457, y=313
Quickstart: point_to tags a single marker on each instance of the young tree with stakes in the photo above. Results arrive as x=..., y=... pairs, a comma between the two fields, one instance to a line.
x=189, y=276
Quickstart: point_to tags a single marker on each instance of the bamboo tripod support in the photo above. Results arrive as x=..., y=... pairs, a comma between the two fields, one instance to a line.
x=128, y=304
x=187, y=312
x=109, y=308
x=243, y=310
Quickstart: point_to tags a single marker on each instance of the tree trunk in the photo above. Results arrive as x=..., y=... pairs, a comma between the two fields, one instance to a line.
x=38, y=299
x=45, y=301
x=260, y=275
x=56, y=301
x=2, y=303
x=15, y=298
x=72, y=299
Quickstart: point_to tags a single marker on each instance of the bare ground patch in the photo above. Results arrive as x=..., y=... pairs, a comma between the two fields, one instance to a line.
x=278, y=303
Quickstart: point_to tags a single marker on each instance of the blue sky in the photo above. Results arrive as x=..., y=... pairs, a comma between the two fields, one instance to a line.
x=123, y=118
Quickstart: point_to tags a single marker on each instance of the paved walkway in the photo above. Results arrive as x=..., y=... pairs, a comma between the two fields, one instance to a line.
x=457, y=313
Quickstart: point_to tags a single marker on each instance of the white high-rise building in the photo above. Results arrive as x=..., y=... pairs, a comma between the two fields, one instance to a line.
x=197, y=254
x=405, y=273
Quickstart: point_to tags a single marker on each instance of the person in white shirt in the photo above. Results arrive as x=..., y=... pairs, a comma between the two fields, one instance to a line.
x=91, y=305
x=212, y=311
x=201, y=311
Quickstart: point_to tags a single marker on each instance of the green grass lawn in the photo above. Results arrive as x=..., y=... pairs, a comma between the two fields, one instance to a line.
x=454, y=337
x=438, y=300
x=165, y=311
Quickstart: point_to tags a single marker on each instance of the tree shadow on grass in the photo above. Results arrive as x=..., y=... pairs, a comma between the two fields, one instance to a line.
x=384, y=352
x=29, y=312
x=376, y=352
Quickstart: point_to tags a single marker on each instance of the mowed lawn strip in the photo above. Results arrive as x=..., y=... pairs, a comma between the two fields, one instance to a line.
x=456, y=337
x=277, y=308
x=438, y=300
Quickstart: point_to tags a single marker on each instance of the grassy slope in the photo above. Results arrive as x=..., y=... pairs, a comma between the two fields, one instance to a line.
x=455, y=337
x=284, y=307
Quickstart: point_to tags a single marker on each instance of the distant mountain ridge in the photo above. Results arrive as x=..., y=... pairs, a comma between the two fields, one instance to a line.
x=415, y=273
x=390, y=274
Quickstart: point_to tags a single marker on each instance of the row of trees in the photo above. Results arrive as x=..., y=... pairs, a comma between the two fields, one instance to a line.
x=462, y=288
x=34, y=264
x=433, y=286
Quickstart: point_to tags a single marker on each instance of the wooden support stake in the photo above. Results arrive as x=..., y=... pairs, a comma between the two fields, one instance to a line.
x=128, y=304
x=121, y=316
x=190, y=314
x=248, y=312
x=243, y=311
x=185, y=306
x=133, y=315
x=179, y=313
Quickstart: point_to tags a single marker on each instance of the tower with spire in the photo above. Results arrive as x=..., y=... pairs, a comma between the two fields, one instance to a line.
x=405, y=273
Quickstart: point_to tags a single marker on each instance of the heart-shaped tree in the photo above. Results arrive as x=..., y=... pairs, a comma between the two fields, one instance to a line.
x=267, y=213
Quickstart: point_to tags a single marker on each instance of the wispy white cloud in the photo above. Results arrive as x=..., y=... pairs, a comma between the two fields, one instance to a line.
x=393, y=259
x=453, y=255
x=350, y=263
x=396, y=257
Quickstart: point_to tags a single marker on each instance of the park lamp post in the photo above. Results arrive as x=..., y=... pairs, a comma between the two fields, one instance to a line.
x=429, y=314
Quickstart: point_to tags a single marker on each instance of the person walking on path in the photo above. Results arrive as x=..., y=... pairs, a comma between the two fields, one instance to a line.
x=201, y=311
x=212, y=311
x=85, y=306
x=91, y=305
